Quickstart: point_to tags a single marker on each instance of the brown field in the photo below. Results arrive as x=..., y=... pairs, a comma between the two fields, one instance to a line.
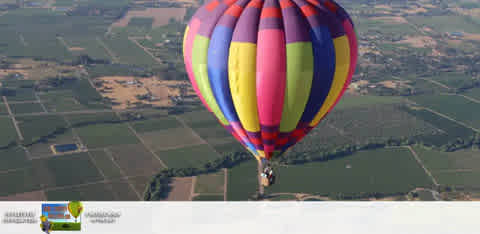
x=160, y=16
x=181, y=189
x=116, y=88
x=416, y=10
x=37, y=70
x=391, y=19
x=393, y=84
x=30, y=196
x=76, y=49
x=419, y=42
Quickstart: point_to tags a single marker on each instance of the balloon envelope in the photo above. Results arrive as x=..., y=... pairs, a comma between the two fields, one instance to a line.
x=270, y=70
x=75, y=208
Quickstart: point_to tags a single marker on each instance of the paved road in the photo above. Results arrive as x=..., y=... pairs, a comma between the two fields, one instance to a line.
x=20, y=136
x=423, y=166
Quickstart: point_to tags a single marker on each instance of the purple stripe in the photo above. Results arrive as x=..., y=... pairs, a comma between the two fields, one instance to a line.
x=271, y=3
x=269, y=142
x=283, y=135
x=296, y=27
x=324, y=17
x=271, y=129
x=207, y=25
x=271, y=23
x=228, y=21
x=247, y=26
x=256, y=135
x=302, y=125
x=258, y=147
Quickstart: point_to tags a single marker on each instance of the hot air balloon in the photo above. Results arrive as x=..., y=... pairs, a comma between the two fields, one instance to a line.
x=270, y=70
x=75, y=208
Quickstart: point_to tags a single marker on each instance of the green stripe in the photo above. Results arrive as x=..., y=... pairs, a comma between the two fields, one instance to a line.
x=299, y=83
x=199, y=66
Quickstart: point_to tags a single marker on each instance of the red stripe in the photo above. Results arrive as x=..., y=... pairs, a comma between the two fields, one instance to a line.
x=271, y=12
x=269, y=135
x=234, y=10
x=212, y=5
x=314, y=2
x=229, y=2
x=286, y=4
x=256, y=141
x=331, y=6
x=308, y=10
x=255, y=4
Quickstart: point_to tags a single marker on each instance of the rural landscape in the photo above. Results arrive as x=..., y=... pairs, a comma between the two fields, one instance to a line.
x=95, y=104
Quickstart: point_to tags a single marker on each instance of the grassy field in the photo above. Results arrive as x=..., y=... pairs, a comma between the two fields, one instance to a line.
x=18, y=181
x=122, y=191
x=105, y=164
x=61, y=101
x=459, y=168
x=189, y=156
x=135, y=160
x=92, y=119
x=456, y=107
x=25, y=108
x=3, y=109
x=89, y=46
x=367, y=171
x=21, y=94
x=448, y=23
x=73, y=169
x=452, y=79
x=92, y=192
x=9, y=134
x=150, y=125
x=129, y=52
x=208, y=198
x=242, y=181
x=450, y=130
x=43, y=148
x=349, y=101
x=12, y=158
x=35, y=127
x=103, y=135
x=211, y=183
x=160, y=140
x=473, y=93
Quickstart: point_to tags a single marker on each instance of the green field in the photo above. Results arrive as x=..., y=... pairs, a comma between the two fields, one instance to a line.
x=190, y=156
x=25, y=108
x=451, y=131
x=92, y=192
x=18, y=181
x=448, y=23
x=473, y=93
x=208, y=198
x=36, y=127
x=61, y=101
x=453, y=80
x=92, y=119
x=89, y=46
x=242, y=181
x=456, y=107
x=105, y=164
x=3, y=109
x=73, y=169
x=135, y=160
x=43, y=148
x=21, y=94
x=150, y=125
x=122, y=191
x=102, y=135
x=164, y=139
x=9, y=134
x=367, y=25
x=128, y=51
x=211, y=183
x=12, y=158
x=380, y=170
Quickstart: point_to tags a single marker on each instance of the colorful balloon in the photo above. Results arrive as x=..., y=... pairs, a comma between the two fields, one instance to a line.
x=270, y=70
x=75, y=208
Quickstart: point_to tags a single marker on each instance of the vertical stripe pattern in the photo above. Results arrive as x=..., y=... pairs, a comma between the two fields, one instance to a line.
x=270, y=70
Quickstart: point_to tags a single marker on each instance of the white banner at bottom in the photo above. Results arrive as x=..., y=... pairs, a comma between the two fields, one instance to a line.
x=240, y=217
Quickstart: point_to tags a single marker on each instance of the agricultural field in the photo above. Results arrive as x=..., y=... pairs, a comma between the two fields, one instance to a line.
x=189, y=156
x=3, y=109
x=9, y=134
x=12, y=158
x=459, y=168
x=91, y=119
x=26, y=108
x=103, y=135
x=242, y=181
x=156, y=124
x=447, y=23
x=128, y=52
x=380, y=170
x=135, y=160
x=449, y=130
x=169, y=139
x=34, y=128
x=105, y=164
x=43, y=148
x=456, y=107
x=18, y=181
x=210, y=183
x=61, y=101
x=349, y=101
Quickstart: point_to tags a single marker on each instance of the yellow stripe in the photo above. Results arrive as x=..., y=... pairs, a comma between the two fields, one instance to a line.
x=185, y=39
x=241, y=75
x=342, y=65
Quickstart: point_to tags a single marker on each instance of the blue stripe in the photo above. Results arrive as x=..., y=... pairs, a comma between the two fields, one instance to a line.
x=218, y=70
x=323, y=72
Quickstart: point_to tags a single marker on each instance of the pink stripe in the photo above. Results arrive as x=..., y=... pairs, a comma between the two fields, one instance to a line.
x=271, y=75
x=352, y=41
x=192, y=32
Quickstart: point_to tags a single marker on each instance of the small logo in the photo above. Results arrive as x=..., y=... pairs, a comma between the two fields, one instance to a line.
x=61, y=217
